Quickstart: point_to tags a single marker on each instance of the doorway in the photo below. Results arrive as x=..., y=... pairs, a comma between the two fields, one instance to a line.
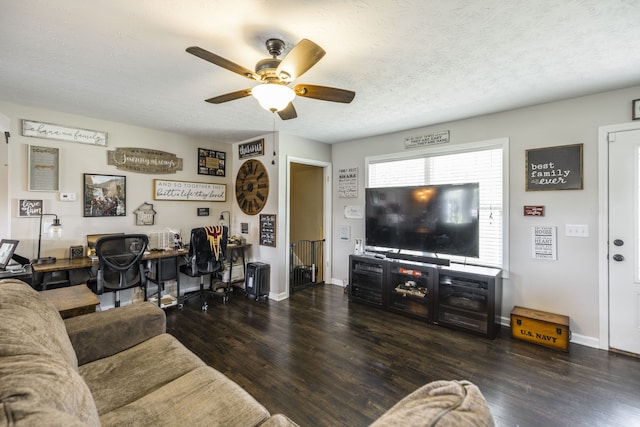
x=620, y=238
x=307, y=202
x=307, y=223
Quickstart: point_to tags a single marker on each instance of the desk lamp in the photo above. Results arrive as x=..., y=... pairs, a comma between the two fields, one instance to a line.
x=55, y=231
x=228, y=219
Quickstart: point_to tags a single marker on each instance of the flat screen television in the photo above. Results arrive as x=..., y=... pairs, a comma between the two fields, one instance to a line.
x=429, y=219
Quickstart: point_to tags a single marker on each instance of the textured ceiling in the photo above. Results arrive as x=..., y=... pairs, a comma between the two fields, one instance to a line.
x=411, y=63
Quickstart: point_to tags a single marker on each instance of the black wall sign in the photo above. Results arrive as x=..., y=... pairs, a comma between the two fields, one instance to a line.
x=268, y=230
x=251, y=149
x=554, y=168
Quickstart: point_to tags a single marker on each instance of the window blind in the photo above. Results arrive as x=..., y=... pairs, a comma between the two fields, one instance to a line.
x=483, y=166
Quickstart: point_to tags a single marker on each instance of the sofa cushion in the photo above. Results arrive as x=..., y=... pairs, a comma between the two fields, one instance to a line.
x=101, y=334
x=127, y=376
x=30, y=324
x=202, y=397
x=440, y=403
x=33, y=385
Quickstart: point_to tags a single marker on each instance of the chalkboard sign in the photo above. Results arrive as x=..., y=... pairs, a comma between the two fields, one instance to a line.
x=268, y=230
x=30, y=208
x=554, y=168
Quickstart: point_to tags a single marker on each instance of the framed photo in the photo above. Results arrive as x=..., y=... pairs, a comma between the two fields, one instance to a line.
x=104, y=195
x=554, y=168
x=211, y=162
x=7, y=247
x=635, y=109
x=203, y=211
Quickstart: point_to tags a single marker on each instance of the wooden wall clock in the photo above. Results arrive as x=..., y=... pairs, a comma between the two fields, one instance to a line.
x=252, y=187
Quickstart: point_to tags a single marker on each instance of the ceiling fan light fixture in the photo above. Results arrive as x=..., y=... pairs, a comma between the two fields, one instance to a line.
x=272, y=96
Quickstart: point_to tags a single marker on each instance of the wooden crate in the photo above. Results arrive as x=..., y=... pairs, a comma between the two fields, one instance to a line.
x=540, y=327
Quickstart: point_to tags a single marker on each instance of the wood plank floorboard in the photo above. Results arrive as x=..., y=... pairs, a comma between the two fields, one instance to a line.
x=324, y=361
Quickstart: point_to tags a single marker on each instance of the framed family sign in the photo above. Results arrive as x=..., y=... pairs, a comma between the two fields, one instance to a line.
x=554, y=168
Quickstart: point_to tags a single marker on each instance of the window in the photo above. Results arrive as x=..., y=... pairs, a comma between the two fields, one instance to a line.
x=482, y=162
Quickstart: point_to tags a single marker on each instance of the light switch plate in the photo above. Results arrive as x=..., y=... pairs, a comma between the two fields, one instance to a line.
x=576, y=230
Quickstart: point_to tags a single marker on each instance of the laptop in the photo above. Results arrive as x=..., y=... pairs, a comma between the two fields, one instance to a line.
x=7, y=247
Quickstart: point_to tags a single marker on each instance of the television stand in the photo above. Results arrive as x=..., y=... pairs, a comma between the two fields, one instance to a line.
x=458, y=296
x=418, y=258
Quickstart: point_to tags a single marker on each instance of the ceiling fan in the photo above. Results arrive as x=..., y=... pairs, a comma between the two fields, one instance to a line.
x=273, y=93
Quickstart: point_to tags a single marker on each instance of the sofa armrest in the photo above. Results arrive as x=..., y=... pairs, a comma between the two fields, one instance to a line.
x=441, y=403
x=105, y=333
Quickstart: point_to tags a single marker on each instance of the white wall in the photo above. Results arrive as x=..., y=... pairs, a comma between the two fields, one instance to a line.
x=4, y=176
x=567, y=286
x=76, y=159
x=276, y=164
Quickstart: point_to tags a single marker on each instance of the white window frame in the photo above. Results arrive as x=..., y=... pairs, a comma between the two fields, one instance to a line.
x=499, y=143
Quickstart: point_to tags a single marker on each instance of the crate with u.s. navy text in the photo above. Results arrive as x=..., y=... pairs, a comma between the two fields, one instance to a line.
x=540, y=327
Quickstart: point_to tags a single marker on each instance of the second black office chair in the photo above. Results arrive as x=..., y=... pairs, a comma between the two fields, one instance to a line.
x=207, y=252
x=120, y=263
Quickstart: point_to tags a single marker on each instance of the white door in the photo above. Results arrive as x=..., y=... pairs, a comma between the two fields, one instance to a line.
x=624, y=241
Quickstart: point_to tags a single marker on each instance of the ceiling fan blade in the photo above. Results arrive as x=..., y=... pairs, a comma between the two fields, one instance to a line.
x=324, y=93
x=288, y=113
x=229, y=96
x=303, y=56
x=222, y=62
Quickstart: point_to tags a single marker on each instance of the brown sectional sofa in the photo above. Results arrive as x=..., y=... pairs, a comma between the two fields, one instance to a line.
x=120, y=367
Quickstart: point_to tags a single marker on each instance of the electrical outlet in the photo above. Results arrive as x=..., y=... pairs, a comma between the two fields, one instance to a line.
x=576, y=230
x=67, y=197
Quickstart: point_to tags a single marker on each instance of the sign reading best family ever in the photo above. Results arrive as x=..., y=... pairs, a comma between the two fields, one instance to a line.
x=63, y=133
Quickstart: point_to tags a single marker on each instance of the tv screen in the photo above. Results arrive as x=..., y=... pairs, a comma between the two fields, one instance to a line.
x=434, y=219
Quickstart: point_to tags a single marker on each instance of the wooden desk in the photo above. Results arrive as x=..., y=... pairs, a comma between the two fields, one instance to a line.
x=69, y=265
x=62, y=264
x=66, y=264
x=72, y=300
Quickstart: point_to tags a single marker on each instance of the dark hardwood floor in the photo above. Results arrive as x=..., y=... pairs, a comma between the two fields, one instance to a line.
x=323, y=361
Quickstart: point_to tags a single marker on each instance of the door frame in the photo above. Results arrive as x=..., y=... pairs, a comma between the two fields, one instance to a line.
x=326, y=181
x=603, y=226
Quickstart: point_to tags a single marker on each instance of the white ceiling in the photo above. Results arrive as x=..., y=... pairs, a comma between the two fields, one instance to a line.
x=412, y=63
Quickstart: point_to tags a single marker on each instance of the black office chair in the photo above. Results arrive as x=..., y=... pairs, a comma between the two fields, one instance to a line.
x=120, y=264
x=207, y=252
